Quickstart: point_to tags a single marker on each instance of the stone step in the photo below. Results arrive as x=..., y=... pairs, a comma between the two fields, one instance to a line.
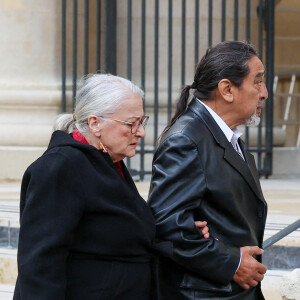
x=6, y=291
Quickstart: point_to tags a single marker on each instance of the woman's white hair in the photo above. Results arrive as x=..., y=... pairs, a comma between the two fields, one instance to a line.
x=99, y=95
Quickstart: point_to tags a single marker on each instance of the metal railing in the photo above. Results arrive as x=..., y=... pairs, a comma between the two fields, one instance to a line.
x=129, y=43
x=9, y=215
x=281, y=234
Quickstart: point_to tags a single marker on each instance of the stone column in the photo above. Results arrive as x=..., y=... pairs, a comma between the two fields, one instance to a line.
x=29, y=80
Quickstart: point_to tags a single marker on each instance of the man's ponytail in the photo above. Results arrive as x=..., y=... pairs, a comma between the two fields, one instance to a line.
x=180, y=108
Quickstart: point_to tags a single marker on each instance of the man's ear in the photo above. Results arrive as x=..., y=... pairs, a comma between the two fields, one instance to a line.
x=94, y=125
x=225, y=88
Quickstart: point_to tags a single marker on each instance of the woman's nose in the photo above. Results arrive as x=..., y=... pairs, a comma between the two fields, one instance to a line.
x=141, y=131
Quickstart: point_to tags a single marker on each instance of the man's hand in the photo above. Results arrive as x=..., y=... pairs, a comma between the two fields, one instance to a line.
x=203, y=228
x=250, y=271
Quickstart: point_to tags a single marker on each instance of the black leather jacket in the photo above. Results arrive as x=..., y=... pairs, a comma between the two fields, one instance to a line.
x=197, y=175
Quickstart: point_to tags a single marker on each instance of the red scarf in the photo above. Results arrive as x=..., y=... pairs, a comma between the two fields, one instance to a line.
x=80, y=138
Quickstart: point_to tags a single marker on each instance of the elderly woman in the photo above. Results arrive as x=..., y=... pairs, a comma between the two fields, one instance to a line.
x=85, y=231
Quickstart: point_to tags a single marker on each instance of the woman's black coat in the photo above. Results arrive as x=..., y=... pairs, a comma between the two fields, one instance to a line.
x=83, y=228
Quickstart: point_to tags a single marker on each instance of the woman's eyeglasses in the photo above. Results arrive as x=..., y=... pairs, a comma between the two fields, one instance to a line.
x=135, y=125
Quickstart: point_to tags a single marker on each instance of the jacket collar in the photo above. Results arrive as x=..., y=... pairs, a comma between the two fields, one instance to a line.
x=60, y=138
x=247, y=170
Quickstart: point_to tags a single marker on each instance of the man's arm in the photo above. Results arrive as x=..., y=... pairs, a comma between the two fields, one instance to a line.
x=177, y=189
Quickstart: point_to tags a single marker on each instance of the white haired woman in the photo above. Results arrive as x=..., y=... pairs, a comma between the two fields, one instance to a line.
x=85, y=232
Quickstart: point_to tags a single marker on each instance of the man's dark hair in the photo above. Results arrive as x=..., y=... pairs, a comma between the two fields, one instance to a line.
x=228, y=60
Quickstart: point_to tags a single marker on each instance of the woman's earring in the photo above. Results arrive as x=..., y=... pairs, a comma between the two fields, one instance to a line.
x=102, y=147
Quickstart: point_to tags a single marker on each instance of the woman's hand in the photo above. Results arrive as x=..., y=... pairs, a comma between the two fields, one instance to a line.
x=201, y=225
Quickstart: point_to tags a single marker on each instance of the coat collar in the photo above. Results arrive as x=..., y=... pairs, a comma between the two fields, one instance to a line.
x=247, y=170
x=61, y=139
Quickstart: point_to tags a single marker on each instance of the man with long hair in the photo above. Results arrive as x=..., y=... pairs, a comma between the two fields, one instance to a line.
x=201, y=171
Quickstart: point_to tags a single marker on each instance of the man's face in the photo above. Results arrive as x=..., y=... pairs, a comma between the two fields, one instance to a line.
x=252, y=94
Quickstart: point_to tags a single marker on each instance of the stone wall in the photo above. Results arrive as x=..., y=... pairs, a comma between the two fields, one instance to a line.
x=29, y=80
x=30, y=46
x=287, y=60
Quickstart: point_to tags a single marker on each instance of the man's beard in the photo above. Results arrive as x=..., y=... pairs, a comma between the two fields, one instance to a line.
x=254, y=120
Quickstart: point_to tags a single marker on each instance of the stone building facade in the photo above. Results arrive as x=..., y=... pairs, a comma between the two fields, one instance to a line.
x=30, y=81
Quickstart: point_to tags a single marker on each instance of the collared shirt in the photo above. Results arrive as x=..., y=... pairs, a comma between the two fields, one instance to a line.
x=231, y=135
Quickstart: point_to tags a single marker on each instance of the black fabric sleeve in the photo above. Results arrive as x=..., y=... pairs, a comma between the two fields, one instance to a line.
x=177, y=189
x=52, y=203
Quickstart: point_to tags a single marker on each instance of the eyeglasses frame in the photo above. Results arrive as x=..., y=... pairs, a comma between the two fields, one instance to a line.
x=142, y=121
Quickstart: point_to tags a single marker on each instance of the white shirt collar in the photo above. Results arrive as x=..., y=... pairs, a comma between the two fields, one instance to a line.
x=231, y=135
